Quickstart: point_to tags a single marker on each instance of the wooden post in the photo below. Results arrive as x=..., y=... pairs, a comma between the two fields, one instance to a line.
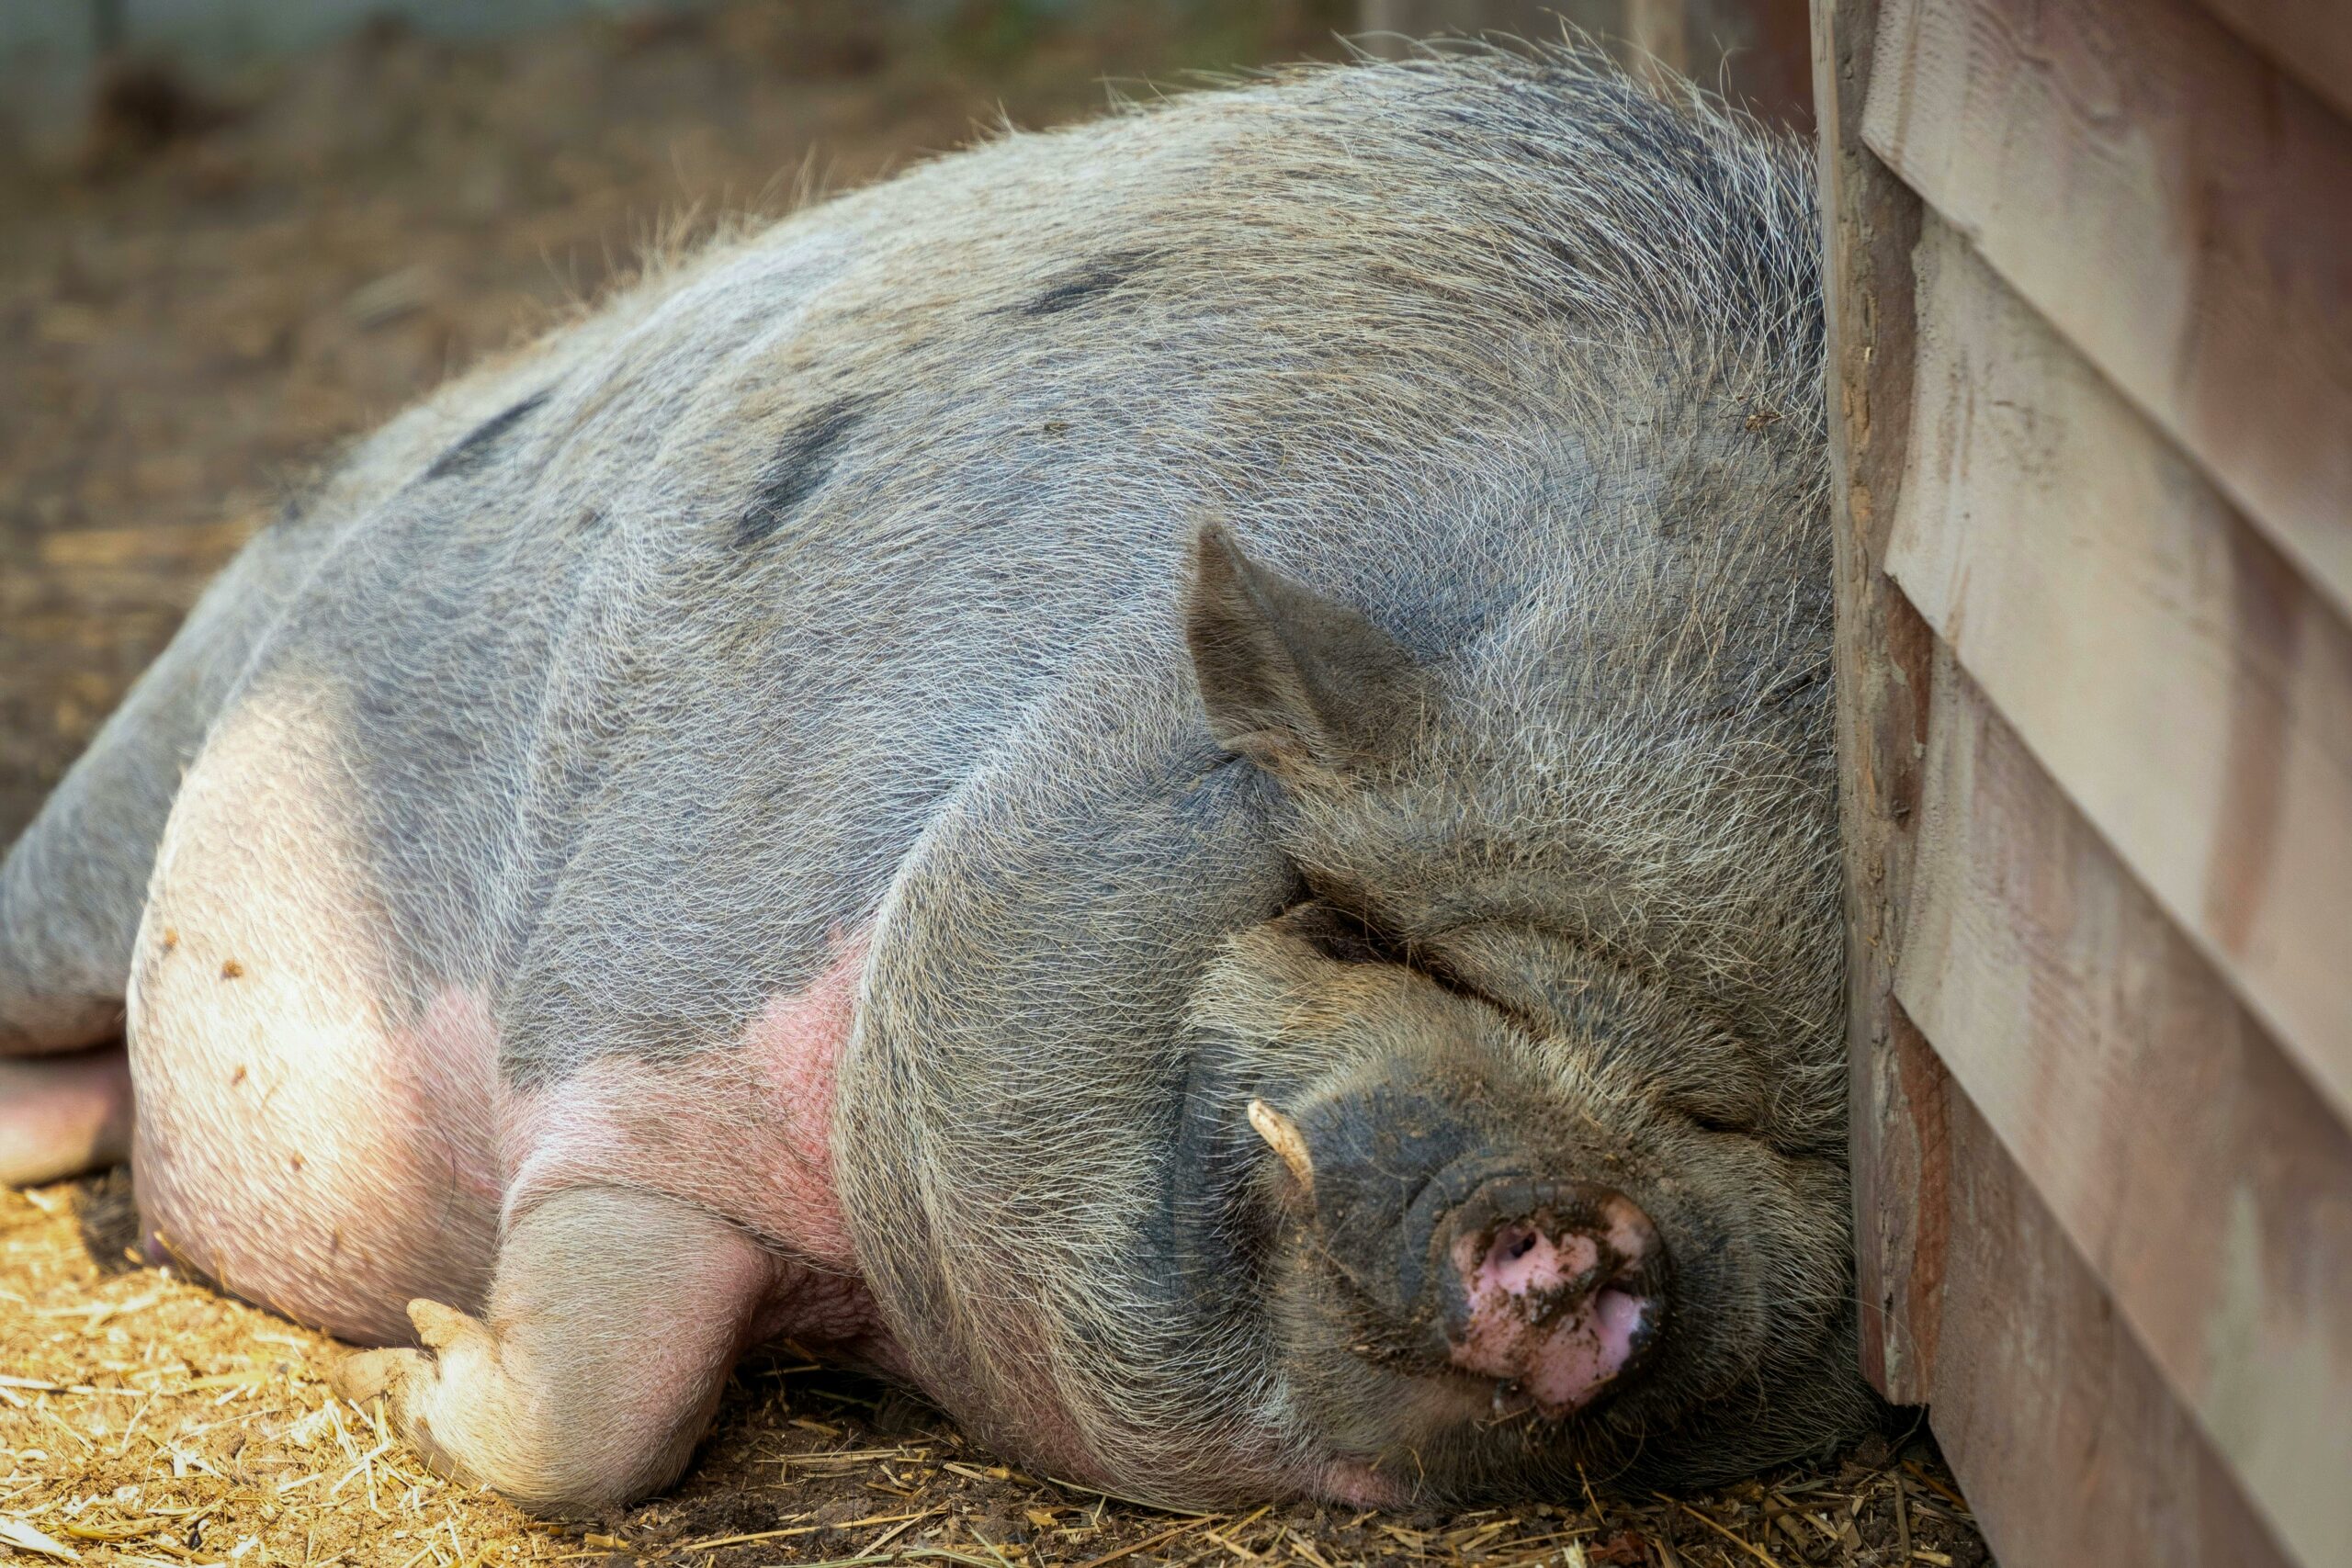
x=1884, y=670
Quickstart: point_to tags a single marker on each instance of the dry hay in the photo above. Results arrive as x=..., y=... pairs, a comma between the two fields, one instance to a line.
x=144, y=1419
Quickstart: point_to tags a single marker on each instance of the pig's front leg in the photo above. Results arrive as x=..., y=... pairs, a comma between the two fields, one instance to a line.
x=613, y=1321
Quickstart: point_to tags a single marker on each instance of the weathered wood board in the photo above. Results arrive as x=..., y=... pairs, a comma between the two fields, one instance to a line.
x=2174, y=1146
x=2177, y=208
x=2191, y=695
x=2309, y=39
x=2094, y=523
x=2068, y=1441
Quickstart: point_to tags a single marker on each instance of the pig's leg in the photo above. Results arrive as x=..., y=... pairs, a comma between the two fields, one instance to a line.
x=74, y=885
x=65, y=929
x=613, y=1322
x=70, y=895
x=61, y=1115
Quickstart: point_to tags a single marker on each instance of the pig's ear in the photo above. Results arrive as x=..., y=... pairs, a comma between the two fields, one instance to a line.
x=1303, y=686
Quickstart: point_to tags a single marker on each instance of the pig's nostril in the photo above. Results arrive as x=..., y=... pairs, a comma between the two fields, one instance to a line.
x=1523, y=1261
x=1622, y=1316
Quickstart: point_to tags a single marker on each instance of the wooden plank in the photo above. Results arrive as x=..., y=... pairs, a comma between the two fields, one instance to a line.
x=2169, y=1139
x=2309, y=39
x=2174, y=204
x=2071, y=1450
x=1897, y=1098
x=2190, y=695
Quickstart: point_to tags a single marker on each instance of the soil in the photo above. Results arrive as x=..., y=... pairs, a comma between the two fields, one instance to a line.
x=229, y=280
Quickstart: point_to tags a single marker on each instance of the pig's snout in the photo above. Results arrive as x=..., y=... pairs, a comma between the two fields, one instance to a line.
x=1554, y=1289
x=1475, y=1261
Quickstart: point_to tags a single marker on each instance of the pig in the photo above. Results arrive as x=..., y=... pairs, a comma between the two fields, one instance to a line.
x=1172, y=781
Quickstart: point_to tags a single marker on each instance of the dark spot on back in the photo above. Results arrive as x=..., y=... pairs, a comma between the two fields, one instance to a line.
x=473, y=454
x=1091, y=281
x=800, y=467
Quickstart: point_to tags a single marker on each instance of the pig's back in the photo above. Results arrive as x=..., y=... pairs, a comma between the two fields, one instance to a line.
x=647, y=656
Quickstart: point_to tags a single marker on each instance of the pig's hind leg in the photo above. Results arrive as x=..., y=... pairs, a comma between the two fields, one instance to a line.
x=71, y=892
x=73, y=886
x=70, y=897
x=612, y=1324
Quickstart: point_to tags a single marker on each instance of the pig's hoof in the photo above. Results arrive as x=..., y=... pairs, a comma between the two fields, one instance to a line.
x=414, y=1383
x=447, y=1331
x=444, y=1331
x=373, y=1374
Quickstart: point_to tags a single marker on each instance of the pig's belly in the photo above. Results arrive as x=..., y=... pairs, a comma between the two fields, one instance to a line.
x=301, y=1141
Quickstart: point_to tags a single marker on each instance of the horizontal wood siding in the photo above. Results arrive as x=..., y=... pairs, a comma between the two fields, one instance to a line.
x=2310, y=39
x=2190, y=693
x=2089, y=274
x=2170, y=1142
x=2071, y=1447
x=2174, y=205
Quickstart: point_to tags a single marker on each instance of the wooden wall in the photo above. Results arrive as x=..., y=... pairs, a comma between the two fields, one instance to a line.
x=2090, y=277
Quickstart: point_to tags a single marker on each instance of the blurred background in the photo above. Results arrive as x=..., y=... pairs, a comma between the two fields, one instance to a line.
x=234, y=233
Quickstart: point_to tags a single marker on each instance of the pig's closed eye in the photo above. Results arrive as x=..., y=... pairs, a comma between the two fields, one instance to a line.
x=1345, y=936
x=1715, y=1119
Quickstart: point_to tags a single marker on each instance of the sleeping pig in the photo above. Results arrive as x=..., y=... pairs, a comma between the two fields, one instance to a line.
x=1172, y=781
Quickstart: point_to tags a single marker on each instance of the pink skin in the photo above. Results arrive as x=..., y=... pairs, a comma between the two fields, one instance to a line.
x=1358, y=1486
x=63, y=1114
x=743, y=1133
x=335, y=1175
x=1544, y=1315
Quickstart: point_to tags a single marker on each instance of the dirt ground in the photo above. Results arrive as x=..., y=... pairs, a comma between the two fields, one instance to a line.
x=227, y=283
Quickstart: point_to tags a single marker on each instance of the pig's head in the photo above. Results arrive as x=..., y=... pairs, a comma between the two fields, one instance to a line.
x=1531, y=1109
x=1500, y=1148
